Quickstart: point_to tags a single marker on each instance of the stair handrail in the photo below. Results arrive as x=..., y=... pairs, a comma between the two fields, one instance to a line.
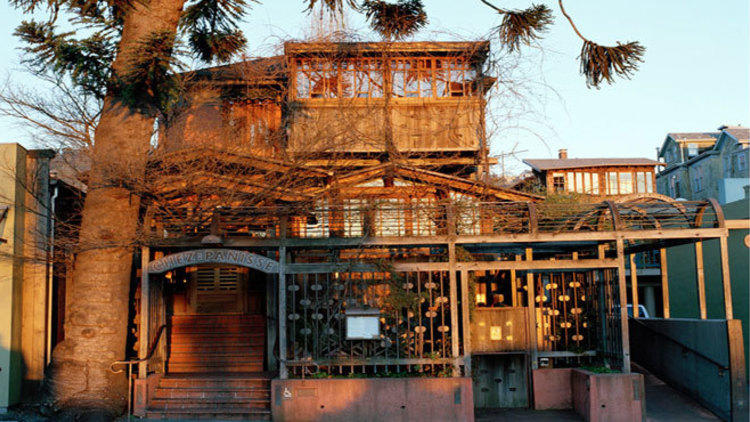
x=129, y=363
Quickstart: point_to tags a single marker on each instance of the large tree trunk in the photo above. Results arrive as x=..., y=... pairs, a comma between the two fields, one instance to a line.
x=97, y=312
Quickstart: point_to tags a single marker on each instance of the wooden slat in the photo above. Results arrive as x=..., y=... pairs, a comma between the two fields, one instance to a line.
x=664, y=281
x=625, y=334
x=700, y=279
x=634, y=286
x=726, y=280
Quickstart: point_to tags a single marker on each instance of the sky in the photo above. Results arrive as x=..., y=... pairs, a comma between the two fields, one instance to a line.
x=695, y=75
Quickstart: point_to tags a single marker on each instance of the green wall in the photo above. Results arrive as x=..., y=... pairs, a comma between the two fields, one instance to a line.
x=683, y=296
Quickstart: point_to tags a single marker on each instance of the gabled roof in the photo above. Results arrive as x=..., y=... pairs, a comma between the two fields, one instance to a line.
x=541, y=164
x=738, y=132
x=259, y=70
x=432, y=178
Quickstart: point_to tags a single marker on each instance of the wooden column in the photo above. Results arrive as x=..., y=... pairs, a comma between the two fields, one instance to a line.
x=453, y=297
x=700, y=278
x=625, y=335
x=725, y=278
x=143, y=335
x=664, y=281
x=514, y=285
x=531, y=297
x=466, y=321
x=283, y=373
x=634, y=286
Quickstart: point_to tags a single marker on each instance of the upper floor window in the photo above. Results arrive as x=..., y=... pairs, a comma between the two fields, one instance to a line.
x=697, y=178
x=366, y=78
x=741, y=161
x=692, y=150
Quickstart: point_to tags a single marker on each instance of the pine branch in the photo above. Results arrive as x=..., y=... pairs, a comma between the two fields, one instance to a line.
x=395, y=21
x=332, y=5
x=524, y=26
x=602, y=63
x=212, y=28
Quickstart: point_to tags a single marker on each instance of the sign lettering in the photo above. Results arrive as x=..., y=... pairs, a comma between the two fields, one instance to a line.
x=213, y=256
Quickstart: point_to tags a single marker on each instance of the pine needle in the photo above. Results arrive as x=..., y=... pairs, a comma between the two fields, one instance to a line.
x=395, y=20
x=600, y=63
x=524, y=26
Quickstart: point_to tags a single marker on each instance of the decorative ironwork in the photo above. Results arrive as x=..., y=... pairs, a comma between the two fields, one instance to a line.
x=414, y=316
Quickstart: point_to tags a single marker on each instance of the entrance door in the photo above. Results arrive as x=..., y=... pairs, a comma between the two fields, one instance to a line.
x=218, y=289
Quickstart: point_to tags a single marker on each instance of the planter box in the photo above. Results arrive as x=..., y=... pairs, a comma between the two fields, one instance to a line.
x=596, y=397
x=372, y=399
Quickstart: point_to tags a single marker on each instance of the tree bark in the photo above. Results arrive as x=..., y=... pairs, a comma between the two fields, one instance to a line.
x=97, y=313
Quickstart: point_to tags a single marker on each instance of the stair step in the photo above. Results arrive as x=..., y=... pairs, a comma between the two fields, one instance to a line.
x=216, y=361
x=217, y=348
x=180, y=368
x=205, y=393
x=210, y=414
x=214, y=383
x=234, y=326
x=209, y=403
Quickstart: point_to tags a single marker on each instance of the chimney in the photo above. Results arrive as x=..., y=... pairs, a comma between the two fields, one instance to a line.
x=562, y=154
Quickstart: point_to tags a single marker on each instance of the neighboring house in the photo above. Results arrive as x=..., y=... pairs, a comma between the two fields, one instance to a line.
x=34, y=186
x=594, y=176
x=705, y=165
x=25, y=338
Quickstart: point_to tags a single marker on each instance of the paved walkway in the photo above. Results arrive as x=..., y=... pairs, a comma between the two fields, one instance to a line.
x=665, y=404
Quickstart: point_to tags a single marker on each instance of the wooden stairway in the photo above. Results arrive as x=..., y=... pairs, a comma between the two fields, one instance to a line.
x=214, y=370
x=216, y=343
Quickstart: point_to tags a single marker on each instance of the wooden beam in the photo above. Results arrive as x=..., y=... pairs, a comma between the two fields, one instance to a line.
x=624, y=333
x=531, y=305
x=700, y=279
x=664, y=281
x=143, y=335
x=511, y=238
x=634, y=286
x=726, y=280
x=740, y=224
x=453, y=297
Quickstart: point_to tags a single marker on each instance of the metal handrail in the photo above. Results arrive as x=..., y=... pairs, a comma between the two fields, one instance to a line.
x=132, y=362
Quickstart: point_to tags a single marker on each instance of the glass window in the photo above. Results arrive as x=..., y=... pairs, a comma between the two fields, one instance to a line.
x=558, y=182
x=649, y=183
x=587, y=183
x=612, y=183
x=741, y=162
x=640, y=182
x=626, y=183
x=579, y=182
x=571, y=182
x=595, y=183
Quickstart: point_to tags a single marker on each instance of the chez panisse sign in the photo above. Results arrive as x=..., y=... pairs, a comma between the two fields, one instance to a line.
x=213, y=256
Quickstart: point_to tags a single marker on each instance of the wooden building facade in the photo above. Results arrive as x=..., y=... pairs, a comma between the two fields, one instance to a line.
x=322, y=216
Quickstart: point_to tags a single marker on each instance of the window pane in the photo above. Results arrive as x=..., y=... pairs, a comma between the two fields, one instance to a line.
x=612, y=183
x=626, y=183
x=571, y=182
x=640, y=182
x=587, y=183
x=579, y=182
x=595, y=183
x=649, y=183
x=303, y=84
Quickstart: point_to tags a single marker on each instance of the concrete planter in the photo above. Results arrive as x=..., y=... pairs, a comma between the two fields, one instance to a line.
x=372, y=399
x=596, y=397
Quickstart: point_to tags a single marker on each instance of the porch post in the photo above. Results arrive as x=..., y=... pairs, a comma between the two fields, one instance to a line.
x=634, y=286
x=454, y=305
x=531, y=298
x=283, y=374
x=700, y=278
x=664, y=281
x=625, y=335
x=466, y=321
x=725, y=278
x=143, y=336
